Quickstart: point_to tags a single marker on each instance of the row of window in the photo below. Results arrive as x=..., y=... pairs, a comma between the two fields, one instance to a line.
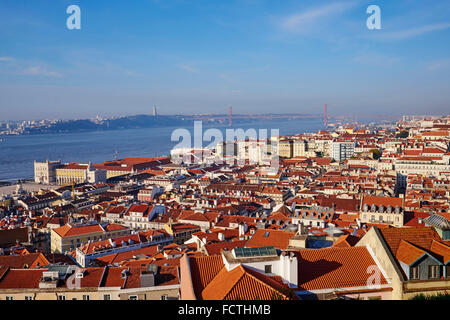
x=433, y=272
x=381, y=218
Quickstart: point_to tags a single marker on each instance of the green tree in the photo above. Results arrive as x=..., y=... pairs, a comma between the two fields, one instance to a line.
x=402, y=134
x=440, y=296
x=376, y=153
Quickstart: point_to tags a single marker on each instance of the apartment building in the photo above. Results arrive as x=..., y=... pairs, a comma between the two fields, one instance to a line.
x=45, y=172
x=384, y=210
x=79, y=173
x=286, y=149
x=62, y=283
x=69, y=237
x=342, y=150
x=416, y=260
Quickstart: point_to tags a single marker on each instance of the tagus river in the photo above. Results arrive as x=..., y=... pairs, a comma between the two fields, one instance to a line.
x=17, y=153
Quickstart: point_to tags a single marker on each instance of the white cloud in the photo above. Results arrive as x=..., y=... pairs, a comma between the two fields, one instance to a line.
x=414, y=32
x=375, y=59
x=40, y=71
x=439, y=65
x=306, y=20
x=6, y=59
x=188, y=68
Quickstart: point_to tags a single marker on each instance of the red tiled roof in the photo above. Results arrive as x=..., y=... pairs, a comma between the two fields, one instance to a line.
x=32, y=260
x=91, y=278
x=385, y=201
x=21, y=279
x=216, y=248
x=278, y=239
x=421, y=237
x=70, y=231
x=123, y=256
x=442, y=250
x=408, y=253
x=241, y=283
x=114, y=227
x=346, y=241
x=203, y=270
x=334, y=268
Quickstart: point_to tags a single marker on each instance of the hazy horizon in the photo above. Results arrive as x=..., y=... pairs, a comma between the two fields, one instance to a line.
x=200, y=56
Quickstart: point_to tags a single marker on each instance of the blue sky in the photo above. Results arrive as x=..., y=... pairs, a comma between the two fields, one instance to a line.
x=201, y=56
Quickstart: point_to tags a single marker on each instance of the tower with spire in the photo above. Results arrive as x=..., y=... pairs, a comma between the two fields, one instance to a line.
x=154, y=110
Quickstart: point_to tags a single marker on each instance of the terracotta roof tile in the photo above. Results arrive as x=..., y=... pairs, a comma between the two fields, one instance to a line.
x=421, y=237
x=267, y=237
x=21, y=279
x=242, y=283
x=203, y=270
x=408, y=253
x=334, y=268
x=32, y=260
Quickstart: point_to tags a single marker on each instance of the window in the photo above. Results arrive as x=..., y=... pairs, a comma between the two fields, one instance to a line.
x=133, y=298
x=9, y=298
x=268, y=268
x=107, y=297
x=415, y=273
x=86, y=297
x=447, y=272
x=28, y=298
x=433, y=272
x=164, y=297
x=61, y=297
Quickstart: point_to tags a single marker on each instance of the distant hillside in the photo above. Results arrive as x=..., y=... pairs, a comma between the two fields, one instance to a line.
x=149, y=121
x=130, y=122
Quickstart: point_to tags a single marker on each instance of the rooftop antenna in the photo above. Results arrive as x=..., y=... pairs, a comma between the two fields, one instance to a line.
x=115, y=155
x=325, y=116
x=230, y=116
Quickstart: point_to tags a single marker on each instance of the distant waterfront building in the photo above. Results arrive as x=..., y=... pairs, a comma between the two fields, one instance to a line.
x=300, y=148
x=45, y=172
x=342, y=150
x=286, y=149
x=227, y=148
x=79, y=173
x=130, y=165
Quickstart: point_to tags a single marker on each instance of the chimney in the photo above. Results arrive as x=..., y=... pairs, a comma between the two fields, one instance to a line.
x=221, y=236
